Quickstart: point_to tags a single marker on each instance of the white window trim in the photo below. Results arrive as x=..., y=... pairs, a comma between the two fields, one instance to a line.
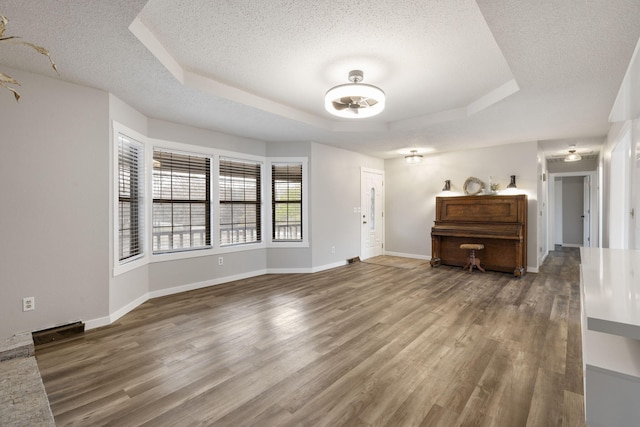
x=215, y=184
x=238, y=247
x=188, y=150
x=304, y=243
x=120, y=267
x=215, y=154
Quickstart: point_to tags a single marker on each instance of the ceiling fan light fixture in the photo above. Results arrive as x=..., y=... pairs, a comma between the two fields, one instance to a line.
x=414, y=157
x=354, y=100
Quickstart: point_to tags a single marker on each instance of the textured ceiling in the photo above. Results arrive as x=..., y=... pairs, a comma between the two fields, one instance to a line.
x=457, y=73
x=291, y=52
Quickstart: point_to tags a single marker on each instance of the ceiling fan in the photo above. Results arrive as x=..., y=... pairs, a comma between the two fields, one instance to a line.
x=353, y=103
x=355, y=99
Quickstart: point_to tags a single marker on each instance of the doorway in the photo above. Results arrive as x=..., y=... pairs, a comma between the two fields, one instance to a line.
x=372, y=213
x=573, y=209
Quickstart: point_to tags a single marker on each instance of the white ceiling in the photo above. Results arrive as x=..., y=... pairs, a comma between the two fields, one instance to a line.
x=457, y=73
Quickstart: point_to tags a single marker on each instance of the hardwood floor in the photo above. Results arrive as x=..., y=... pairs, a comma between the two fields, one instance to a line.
x=365, y=344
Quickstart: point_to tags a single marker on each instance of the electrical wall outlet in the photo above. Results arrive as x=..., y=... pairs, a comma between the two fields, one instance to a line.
x=220, y=260
x=28, y=303
x=333, y=249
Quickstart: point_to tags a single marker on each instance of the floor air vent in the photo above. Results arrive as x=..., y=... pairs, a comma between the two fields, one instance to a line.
x=57, y=333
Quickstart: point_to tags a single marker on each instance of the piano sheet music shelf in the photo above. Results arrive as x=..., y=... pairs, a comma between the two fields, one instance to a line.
x=498, y=222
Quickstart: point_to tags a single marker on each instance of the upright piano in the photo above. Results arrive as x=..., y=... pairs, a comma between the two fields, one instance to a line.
x=497, y=222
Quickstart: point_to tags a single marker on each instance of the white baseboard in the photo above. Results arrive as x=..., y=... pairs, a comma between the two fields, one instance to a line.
x=107, y=320
x=305, y=269
x=204, y=284
x=289, y=270
x=112, y=317
x=96, y=323
x=328, y=266
x=127, y=308
x=403, y=255
x=544, y=256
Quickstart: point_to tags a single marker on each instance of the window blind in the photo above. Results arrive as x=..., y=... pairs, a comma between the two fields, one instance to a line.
x=240, y=201
x=130, y=198
x=181, y=201
x=286, y=188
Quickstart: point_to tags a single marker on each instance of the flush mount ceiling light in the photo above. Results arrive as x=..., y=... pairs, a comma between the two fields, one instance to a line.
x=572, y=156
x=354, y=100
x=414, y=157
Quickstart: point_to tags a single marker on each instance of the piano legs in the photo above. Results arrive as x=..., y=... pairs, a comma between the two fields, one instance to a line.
x=435, y=251
x=472, y=261
x=499, y=254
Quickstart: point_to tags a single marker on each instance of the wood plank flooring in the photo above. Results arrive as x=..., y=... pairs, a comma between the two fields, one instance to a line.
x=367, y=344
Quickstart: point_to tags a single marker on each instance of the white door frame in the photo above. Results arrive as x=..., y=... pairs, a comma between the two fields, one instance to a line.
x=363, y=209
x=551, y=205
x=586, y=210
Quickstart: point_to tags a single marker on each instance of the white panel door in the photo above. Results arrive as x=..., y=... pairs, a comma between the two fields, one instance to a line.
x=372, y=215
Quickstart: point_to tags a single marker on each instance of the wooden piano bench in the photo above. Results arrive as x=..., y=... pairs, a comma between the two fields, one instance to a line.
x=472, y=261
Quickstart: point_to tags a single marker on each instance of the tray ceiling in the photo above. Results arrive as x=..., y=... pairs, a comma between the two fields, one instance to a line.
x=457, y=74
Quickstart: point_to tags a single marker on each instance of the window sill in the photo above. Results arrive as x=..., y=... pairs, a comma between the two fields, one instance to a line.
x=283, y=245
x=122, y=268
x=172, y=256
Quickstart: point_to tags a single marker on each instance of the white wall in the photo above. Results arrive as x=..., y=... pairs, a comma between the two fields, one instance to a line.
x=625, y=117
x=178, y=275
x=54, y=181
x=411, y=191
x=627, y=104
x=169, y=275
x=290, y=259
x=616, y=204
x=542, y=207
x=335, y=192
x=175, y=132
x=134, y=285
x=635, y=183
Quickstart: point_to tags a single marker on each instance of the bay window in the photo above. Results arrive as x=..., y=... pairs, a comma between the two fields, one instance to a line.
x=286, y=201
x=240, y=201
x=130, y=206
x=181, y=201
